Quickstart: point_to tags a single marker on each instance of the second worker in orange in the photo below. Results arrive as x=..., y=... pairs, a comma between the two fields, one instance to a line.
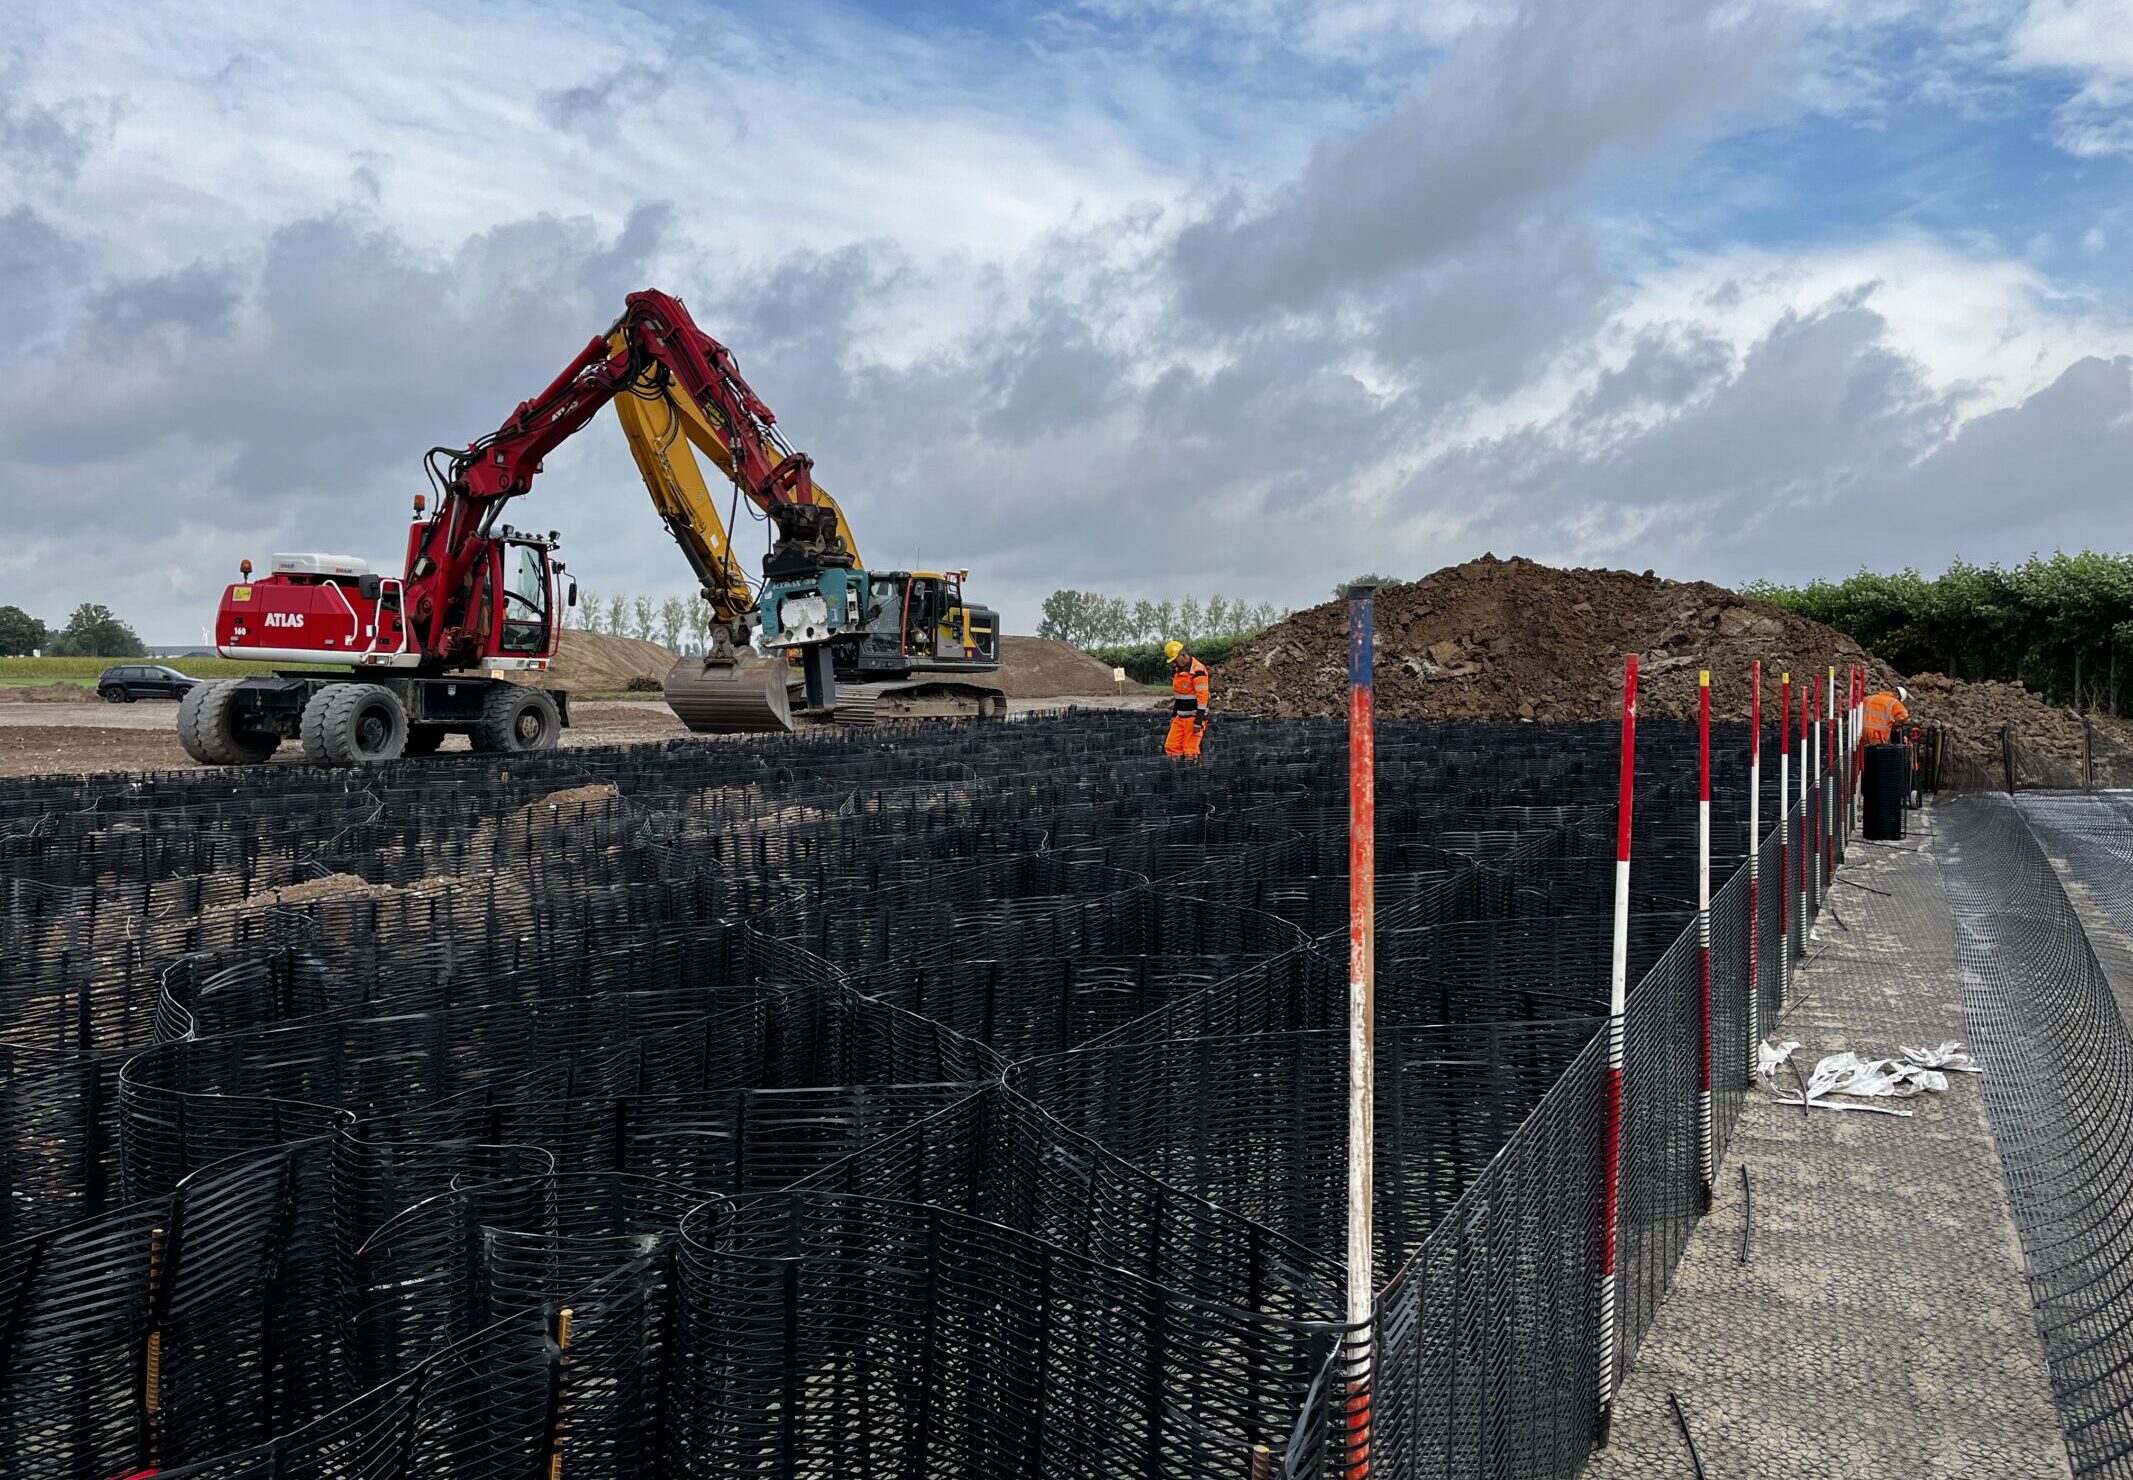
x=1188, y=702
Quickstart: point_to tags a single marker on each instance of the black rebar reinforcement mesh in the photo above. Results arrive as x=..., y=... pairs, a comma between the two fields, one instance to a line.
x=2058, y=1081
x=963, y=1100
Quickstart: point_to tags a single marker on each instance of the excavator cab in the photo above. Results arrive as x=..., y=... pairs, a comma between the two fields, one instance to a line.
x=519, y=597
x=941, y=630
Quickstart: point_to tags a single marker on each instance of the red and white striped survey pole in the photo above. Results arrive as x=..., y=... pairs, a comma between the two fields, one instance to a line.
x=1851, y=823
x=1784, y=878
x=1828, y=736
x=1850, y=754
x=1706, y=1143
x=1817, y=703
x=1810, y=845
x=1617, y=995
x=1362, y=986
x=1755, y=862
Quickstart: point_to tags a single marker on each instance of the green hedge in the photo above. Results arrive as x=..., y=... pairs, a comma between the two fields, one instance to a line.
x=1144, y=661
x=2062, y=624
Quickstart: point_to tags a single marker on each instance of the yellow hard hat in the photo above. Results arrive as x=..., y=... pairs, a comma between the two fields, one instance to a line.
x=1172, y=648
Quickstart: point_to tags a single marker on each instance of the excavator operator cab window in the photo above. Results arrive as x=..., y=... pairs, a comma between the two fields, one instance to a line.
x=525, y=588
x=920, y=600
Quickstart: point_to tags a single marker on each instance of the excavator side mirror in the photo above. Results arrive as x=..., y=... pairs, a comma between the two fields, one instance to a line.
x=370, y=587
x=570, y=592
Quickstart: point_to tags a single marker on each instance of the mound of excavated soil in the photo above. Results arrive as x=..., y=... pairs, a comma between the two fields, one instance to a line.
x=1042, y=668
x=1974, y=712
x=1510, y=639
x=593, y=662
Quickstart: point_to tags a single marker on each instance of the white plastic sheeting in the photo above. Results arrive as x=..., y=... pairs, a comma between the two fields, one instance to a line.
x=1842, y=1077
x=1950, y=1055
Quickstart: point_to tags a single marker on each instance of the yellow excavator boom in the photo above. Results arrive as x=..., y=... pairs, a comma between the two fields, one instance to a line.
x=665, y=430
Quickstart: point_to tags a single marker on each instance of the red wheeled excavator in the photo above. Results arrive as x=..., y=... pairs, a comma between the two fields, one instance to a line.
x=448, y=645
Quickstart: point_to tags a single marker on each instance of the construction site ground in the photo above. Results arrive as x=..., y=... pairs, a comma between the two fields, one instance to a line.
x=1880, y=1323
x=51, y=738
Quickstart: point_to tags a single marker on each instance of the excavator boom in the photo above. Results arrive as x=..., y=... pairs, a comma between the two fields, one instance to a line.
x=479, y=595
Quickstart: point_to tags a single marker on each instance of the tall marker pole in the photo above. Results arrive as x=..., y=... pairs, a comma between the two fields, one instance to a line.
x=1816, y=702
x=1755, y=861
x=1784, y=879
x=1850, y=745
x=1858, y=744
x=1829, y=789
x=1617, y=994
x=1851, y=748
x=1706, y=1142
x=1810, y=840
x=1362, y=987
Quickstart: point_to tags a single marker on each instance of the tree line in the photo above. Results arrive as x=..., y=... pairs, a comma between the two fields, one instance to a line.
x=94, y=631
x=2061, y=624
x=1090, y=619
x=681, y=623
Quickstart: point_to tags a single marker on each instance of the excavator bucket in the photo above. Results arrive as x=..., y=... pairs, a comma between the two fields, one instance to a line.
x=730, y=694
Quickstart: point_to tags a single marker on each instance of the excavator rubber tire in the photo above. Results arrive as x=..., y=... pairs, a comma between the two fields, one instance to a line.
x=515, y=719
x=743, y=698
x=207, y=733
x=424, y=739
x=354, y=724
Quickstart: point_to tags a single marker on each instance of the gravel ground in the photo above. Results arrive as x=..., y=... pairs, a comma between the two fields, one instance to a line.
x=45, y=739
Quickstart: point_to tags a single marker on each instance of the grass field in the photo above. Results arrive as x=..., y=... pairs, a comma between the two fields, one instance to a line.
x=18, y=671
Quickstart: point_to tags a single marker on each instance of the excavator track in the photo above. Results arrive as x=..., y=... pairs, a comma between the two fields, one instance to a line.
x=758, y=696
x=746, y=697
x=918, y=698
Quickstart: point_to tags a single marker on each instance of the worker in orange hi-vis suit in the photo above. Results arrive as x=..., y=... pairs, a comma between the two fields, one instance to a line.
x=1885, y=714
x=1188, y=702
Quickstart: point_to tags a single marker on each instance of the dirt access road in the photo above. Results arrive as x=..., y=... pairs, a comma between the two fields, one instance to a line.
x=56, y=738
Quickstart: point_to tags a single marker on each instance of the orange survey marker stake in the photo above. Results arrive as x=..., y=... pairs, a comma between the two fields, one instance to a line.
x=1362, y=982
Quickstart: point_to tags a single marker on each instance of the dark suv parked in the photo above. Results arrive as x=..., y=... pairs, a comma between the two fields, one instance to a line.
x=124, y=684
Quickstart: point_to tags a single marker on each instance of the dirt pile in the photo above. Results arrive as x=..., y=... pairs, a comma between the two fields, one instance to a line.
x=1510, y=640
x=1042, y=668
x=1974, y=713
x=595, y=663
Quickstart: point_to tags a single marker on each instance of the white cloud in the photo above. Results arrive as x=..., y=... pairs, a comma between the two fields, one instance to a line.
x=233, y=120
x=2092, y=40
x=2094, y=37
x=952, y=261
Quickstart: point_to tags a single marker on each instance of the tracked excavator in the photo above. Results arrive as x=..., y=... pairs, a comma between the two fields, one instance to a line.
x=443, y=647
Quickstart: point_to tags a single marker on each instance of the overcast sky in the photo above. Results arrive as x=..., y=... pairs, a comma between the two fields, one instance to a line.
x=1152, y=298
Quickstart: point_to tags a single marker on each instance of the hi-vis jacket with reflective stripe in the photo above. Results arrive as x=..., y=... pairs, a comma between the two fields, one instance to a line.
x=1884, y=712
x=1188, y=690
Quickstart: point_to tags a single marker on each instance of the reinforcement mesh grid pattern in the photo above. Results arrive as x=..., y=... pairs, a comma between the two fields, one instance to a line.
x=2058, y=1086
x=955, y=1099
